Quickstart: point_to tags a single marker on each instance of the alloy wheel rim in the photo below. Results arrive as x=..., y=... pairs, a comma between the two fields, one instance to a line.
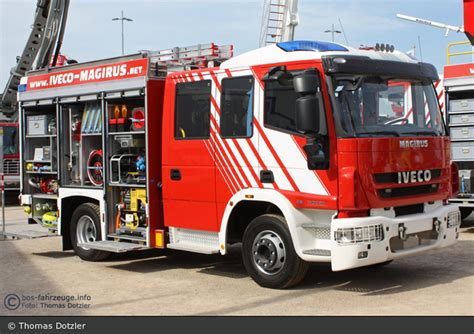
x=268, y=252
x=86, y=231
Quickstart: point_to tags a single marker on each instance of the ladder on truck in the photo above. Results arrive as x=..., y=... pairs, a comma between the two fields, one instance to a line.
x=280, y=17
x=45, y=38
x=189, y=57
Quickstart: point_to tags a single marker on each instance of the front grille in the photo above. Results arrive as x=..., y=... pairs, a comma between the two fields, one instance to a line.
x=409, y=209
x=393, y=177
x=408, y=191
x=11, y=167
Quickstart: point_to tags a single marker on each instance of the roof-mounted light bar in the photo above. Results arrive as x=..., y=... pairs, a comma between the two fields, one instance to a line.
x=310, y=46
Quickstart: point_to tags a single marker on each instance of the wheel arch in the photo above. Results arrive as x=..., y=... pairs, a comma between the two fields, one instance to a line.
x=248, y=204
x=243, y=213
x=66, y=209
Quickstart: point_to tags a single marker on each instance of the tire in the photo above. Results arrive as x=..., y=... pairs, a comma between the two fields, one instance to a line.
x=85, y=227
x=283, y=267
x=465, y=212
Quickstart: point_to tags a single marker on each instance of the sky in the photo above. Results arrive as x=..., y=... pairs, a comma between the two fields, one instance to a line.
x=161, y=24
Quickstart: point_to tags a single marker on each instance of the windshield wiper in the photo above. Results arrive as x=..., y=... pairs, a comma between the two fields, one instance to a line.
x=422, y=132
x=382, y=132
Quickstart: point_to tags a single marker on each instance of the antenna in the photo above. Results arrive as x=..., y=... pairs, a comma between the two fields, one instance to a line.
x=343, y=31
x=419, y=44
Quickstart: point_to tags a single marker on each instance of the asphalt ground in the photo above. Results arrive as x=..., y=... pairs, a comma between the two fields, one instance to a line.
x=156, y=282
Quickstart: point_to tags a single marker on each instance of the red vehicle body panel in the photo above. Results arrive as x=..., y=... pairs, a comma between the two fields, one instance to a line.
x=196, y=191
x=154, y=102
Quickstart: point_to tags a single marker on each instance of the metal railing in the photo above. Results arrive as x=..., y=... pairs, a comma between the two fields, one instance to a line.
x=11, y=167
x=450, y=54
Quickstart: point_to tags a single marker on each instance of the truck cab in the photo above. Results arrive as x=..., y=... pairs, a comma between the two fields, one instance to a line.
x=302, y=151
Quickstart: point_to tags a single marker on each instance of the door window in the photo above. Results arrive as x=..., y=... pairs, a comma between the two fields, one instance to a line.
x=280, y=107
x=193, y=110
x=237, y=107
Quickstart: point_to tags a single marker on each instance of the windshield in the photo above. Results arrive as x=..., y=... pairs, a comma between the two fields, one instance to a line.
x=10, y=140
x=375, y=106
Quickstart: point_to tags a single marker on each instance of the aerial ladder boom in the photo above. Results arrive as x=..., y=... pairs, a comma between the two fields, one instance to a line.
x=432, y=23
x=280, y=17
x=46, y=34
x=467, y=29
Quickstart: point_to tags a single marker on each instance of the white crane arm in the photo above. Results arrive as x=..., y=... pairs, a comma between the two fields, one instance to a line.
x=431, y=23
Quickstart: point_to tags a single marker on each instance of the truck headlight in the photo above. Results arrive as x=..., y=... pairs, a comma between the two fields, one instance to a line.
x=454, y=219
x=354, y=235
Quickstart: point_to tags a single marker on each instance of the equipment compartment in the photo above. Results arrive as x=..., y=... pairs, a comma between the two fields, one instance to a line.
x=462, y=105
x=82, y=144
x=462, y=133
x=129, y=213
x=463, y=151
x=461, y=119
x=126, y=142
x=39, y=150
x=126, y=167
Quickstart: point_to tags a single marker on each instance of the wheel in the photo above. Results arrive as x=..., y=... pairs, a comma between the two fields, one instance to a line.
x=85, y=227
x=465, y=212
x=269, y=255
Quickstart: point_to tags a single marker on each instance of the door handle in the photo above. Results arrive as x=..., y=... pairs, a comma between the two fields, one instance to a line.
x=175, y=175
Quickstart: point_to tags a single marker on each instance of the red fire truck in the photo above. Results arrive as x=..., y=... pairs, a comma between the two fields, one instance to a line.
x=11, y=157
x=302, y=151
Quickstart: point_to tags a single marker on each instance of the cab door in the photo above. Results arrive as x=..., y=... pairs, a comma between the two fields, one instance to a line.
x=189, y=190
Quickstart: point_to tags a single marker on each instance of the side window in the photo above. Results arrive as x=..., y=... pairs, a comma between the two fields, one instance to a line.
x=193, y=110
x=279, y=109
x=237, y=107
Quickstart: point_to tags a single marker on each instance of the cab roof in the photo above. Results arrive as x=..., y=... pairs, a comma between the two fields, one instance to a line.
x=308, y=50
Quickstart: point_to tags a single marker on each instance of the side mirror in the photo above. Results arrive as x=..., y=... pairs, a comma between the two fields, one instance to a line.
x=281, y=75
x=307, y=82
x=308, y=114
x=310, y=119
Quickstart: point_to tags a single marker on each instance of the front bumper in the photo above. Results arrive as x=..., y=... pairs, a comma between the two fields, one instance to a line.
x=402, y=236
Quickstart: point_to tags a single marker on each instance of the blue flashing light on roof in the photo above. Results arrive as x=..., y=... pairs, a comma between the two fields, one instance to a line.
x=22, y=88
x=310, y=46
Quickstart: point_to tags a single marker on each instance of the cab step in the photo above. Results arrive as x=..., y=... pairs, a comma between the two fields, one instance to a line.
x=318, y=252
x=113, y=246
x=193, y=248
x=195, y=241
